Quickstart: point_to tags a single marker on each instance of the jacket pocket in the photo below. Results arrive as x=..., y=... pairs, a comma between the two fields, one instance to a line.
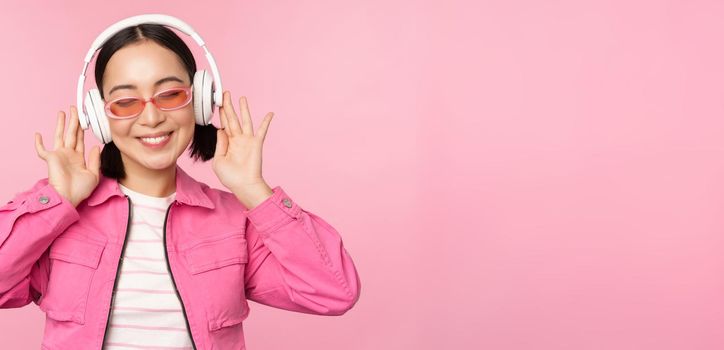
x=73, y=262
x=218, y=264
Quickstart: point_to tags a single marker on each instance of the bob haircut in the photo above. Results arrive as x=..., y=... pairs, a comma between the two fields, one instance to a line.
x=203, y=144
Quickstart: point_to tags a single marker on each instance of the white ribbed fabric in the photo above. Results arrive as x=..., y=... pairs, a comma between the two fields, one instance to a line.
x=146, y=313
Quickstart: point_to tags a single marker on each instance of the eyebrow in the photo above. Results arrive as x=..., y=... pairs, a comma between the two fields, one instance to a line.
x=159, y=82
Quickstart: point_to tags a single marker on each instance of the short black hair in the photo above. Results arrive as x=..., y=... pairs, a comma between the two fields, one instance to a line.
x=203, y=145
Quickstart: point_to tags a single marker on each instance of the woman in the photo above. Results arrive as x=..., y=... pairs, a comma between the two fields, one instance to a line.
x=127, y=251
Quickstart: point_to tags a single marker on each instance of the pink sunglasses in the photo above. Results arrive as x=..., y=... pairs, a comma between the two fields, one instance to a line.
x=166, y=100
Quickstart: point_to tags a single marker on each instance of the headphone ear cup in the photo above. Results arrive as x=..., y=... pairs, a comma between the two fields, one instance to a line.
x=97, y=119
x=203, y=97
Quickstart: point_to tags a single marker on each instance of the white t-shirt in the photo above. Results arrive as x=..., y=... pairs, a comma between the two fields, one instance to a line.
x=147, y=312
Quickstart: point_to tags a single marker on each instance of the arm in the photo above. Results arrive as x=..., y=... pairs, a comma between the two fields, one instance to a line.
x=297, y=261
x=28, y=225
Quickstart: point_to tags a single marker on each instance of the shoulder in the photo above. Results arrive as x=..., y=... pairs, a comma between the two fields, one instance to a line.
x=197, y=191
x=222, y=198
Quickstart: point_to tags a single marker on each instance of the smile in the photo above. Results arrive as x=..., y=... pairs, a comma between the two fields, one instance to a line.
x=155, y=141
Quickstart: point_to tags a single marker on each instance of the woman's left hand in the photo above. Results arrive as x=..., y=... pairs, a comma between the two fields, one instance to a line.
x=237, y=159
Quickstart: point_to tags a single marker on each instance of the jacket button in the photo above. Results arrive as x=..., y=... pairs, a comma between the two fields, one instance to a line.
x=287, y=203
x=44, y=200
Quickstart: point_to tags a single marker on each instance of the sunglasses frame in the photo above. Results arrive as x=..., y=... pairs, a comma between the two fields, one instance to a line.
x=152, y=99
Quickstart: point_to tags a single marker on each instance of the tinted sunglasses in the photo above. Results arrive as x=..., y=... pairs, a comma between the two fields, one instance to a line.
x=166, y=100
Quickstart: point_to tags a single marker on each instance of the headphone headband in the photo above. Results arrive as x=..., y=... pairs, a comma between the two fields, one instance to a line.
x=161, y=19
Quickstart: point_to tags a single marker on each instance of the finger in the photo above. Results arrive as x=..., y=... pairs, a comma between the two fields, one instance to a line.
x=94, y=160
x=70, y=139
x=222, y=143
x=80, y=145
x=246, y=125
x=224, y=121
x=39, y=148
x=59, y=127
x=231, y=119
x=261, y=132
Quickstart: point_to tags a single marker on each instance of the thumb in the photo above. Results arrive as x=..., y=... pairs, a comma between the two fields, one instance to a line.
x=94, y=160
x=222, y=142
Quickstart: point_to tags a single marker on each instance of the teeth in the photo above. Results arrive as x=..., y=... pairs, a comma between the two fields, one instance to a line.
x=154, y=140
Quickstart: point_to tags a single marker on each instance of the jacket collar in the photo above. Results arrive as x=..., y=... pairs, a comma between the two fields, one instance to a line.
x=188, y=190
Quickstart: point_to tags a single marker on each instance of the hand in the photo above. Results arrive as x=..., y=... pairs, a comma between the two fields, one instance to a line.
x=237, y=159
x=67, y=170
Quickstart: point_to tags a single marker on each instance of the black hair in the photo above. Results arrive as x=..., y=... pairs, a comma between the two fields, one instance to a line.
x=203, y=145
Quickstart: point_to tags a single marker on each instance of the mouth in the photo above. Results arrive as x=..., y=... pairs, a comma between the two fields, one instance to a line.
x=157, y=139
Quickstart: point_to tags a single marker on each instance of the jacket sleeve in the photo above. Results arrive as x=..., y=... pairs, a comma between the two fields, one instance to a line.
x=297, y=260
x=28, y=225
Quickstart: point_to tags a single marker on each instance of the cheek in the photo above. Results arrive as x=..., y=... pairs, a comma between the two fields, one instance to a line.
x=189, y=117
x=119, y=129
x=187, y=133
x=186, y=127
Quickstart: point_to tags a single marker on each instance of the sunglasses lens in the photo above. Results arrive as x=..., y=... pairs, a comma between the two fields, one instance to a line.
x=172, y=98
x=126, y=107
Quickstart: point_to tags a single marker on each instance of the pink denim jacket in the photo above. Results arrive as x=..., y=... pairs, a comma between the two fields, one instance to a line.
x=66, y=259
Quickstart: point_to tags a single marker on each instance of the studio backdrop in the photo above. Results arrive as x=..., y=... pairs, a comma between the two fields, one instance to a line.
x=506, y=174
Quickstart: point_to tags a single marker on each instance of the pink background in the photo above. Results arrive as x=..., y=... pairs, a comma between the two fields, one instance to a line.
x=506, y=174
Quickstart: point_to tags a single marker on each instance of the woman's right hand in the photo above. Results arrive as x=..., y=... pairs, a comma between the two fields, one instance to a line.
x=67, y=170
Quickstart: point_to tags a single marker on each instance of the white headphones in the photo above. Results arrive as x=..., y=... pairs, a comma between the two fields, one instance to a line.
x=206, y=90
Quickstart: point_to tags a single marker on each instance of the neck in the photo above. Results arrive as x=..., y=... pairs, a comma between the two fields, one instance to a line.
x=151, y=182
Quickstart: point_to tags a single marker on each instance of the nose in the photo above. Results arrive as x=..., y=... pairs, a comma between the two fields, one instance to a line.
x=151, y=115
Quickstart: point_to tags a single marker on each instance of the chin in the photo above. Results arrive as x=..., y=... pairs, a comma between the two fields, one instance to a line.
x=155, y=161
x=160, y=164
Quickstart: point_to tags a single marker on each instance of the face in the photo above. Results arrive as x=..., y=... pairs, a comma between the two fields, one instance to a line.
x=142, y=70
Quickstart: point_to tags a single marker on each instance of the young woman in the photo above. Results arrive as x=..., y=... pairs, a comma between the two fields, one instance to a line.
x=127, y=251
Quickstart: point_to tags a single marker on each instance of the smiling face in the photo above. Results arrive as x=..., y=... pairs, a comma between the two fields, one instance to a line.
x=141, y=70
